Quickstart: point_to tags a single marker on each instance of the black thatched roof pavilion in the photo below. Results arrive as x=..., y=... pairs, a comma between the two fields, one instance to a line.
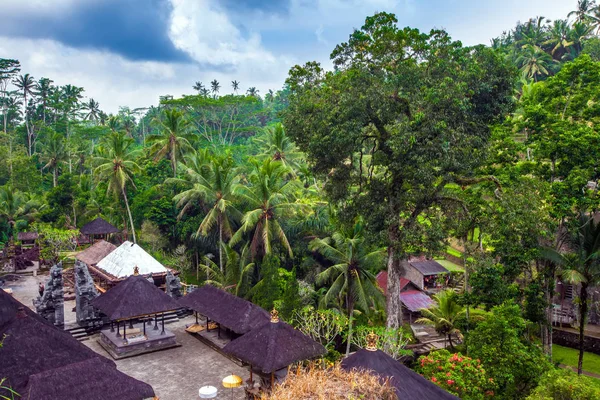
x=101, y=382
x=134, y=297
x=9, y=307
x=408, y=384
x=273, y=346
x=98, y=227
x=230, y=311
x=31, y=347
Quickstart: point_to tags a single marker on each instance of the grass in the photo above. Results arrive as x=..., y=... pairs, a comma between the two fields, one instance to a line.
x=450, y=266
x=568, y=356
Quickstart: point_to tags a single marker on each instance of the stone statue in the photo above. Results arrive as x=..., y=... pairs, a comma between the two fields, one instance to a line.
x=51, y=304
x=173, y=285
x=85, y=292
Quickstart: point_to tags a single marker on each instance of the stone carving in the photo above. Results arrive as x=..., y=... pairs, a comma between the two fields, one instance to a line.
x=173, y=285
x=51, y=304
x=85, y=292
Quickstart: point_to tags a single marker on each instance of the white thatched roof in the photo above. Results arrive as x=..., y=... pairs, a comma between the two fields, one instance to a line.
x=121, y=261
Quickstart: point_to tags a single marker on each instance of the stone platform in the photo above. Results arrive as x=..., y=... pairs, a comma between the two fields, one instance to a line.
x=136, y=343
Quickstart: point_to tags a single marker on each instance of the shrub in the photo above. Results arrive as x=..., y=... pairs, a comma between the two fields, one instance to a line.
x=391, y=341
x=565, y=385
x=459, y=375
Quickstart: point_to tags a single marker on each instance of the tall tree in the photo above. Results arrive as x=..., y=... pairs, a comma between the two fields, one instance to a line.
x=534, y=62
x=171, y=141
x=270, y=199
x=26, y=85
x=16, y=207
x=235, y=85
x=404, y=116
x=43, y=89
x=8, y=69
x=214, y=87
x=276, y=145
x=92, y=108
x=198, y=86
x=584, y=7
x=351, y=276
x=54, y=153
x=116, y=165
x=252, y=91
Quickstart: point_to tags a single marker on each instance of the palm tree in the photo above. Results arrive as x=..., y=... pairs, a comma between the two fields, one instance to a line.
x=54, y=153
x=235, y=85
x=198, y=86
x=559, y=39
x=276, y=145
x=114, y=123
x=252, y=91
x=93, y=110
x=43, y=90
x=17, y=207
x=215, y=186
x=594, y=18
x=534, y=62
x=444, y=314
x=171, y=141
x=239, y=270
x=26, y=84
x=584, y=7
x=351, y=275
x=269, y=199
x=11, y=109
x=581, y=267
x=214, y=87
x=577, y=35
x=116, y=166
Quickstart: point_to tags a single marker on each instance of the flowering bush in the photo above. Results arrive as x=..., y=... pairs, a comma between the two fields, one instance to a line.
x=459, y=375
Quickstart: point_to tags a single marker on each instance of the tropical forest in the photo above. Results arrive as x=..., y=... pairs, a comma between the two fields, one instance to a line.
x=417, y=197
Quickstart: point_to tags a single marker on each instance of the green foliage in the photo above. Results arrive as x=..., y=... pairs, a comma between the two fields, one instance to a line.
x=460, y=375
x=499, y=342
x=268, y=290
x=488, y=284
x=391, y=341
x=565, y=385
x=290, y=299
x=324, y=326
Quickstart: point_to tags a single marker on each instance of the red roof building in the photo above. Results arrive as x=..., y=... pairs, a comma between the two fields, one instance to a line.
x=412, y=297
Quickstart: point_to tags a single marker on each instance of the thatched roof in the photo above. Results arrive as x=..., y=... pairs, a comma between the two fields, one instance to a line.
x=31, y=347
x=133, y=297
x=273, y=346
x=122, y=261
x=409, y=384
x=21, y=236
x=9, y=306
x=93, y=254
x=91, y=380
x=230, y=311
x=98, y=227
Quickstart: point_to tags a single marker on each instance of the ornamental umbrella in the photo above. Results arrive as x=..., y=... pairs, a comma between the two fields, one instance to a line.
x=232, y=381
x=274, y=346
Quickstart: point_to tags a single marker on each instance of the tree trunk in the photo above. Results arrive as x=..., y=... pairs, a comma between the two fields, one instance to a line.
x=54, y=176
x=220, y=245
x=350, y=304
x=129, y=213
x=450, y=341
x=583, y=297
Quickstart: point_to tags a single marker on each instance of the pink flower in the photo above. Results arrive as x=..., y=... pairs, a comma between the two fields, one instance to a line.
x=448, y=374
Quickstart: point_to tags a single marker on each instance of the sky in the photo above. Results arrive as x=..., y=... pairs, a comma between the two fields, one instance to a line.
x=130, y=52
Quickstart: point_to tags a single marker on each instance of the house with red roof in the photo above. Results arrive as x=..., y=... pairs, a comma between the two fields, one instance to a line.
x=412, y=297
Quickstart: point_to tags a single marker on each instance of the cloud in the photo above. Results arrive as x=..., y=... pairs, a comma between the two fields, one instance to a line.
x=134, y=29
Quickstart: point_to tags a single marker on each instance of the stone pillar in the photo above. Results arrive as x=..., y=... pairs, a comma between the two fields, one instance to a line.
x=85, y=292
x=173, y=285
x=51, y=304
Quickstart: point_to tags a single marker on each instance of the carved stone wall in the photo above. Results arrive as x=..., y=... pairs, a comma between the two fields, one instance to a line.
x=85, y=292
x=173, y=285
x=51, y=304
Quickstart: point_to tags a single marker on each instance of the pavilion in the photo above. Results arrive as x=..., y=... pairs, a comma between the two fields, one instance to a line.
x=121, y=263
x=135, y=298
x=408, y=384
x=229, y=311
x=33, y=349
x=272, y=347
x=98, y=228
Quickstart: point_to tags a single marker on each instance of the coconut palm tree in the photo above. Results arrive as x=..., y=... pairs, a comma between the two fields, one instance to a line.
x=115, y=164
x=276, y=145
x=17, y=207
x=54, y=153
x=214, y=87
x=235, y=85
x=215, y=186
x=584, y=7
x=43, y=90
x=353, y=283
x=444, y=315
x=26, y=85
x=172, y=140
x=270, y=199
x=252, y=92
x=594, y=18
x=558, y=43
x=581, y=267
x=534, y=62
x=239, y=270
x=198, y=86
x=93, y=110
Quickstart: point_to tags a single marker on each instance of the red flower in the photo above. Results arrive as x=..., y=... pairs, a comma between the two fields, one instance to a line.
x=448, y=374
x=449, y=381
x=433, y=379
